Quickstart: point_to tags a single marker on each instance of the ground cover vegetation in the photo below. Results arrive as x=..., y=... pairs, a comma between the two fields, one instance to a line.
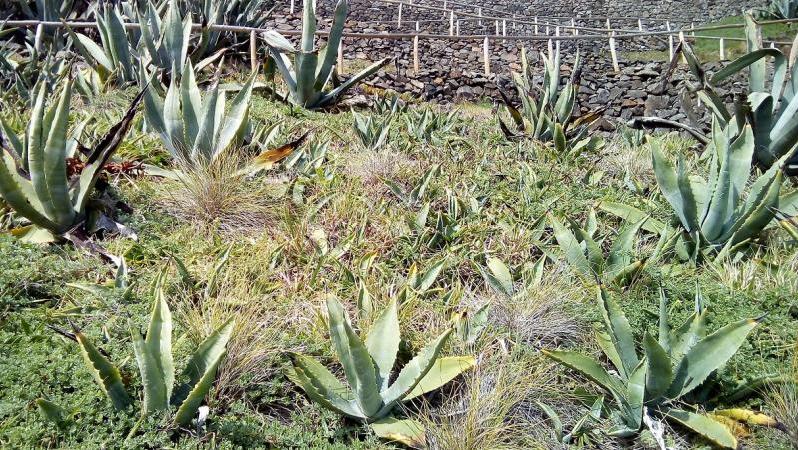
x=177, y=271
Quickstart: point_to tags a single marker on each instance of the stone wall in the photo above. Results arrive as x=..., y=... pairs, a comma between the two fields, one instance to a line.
x=366, y=14
x=637, y=90
x=453, y=70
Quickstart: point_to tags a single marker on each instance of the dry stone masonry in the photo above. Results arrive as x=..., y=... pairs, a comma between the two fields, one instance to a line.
x=453, y=70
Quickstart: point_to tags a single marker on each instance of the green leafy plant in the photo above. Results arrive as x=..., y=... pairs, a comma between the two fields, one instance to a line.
x=167, y=40
x=307, y=71
x=547, y=111
x=414, y=196
x=587, y=258
x=389, y=104
x=584, y=432
x=121, y=284
x=306, y=161
x=428, y=126
x=34, y=179
x=778, y=9
x=194, y=129
x=771, y=112
x=714, y=211
x=117, y=55
x=368, y=365
x=23, y=73
x=437, y=228
x=241, y=13
x=47, y=10
x=8, y=58
x=53, y=413
x=372, y=131
x=498, y=276
x=469, y=326
x=157, y=368
x=672, y=366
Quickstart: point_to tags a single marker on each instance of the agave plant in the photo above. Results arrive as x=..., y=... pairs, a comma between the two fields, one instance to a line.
x=242, y=13
x=546, y=113
x=414, y=196
x=167, y=40
x=584, y=433
x=672, y=366
x=8, y=56
x=117, y=56
x=715, y=212
x=389, y=104
x=34, y=179
x=432, y=229
x=47, y=10
x=368, y=365
x=372, y=131
x=22, y=72
x=196, y=130
x=426, y=125
x=779, y=9
x=772, y=112
x=587, y=258
x=307, y=71
x=157, y=367
x=121, y=285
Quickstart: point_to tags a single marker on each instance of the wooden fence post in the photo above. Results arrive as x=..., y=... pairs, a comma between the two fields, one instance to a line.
x=614, y=54
x=670, y=41
x=479, y=13
x=486, y=55
x=341, y=57
x=451, y=23
x=292, y=6
x=536, y=25
x=399, y=17
x=722, y=49
x=639, y=24
x=681, y=41
x=574, y=31
x=253, y=50
x=415, y=54
x=497, y=27
x=457, y=29
x=504, y=29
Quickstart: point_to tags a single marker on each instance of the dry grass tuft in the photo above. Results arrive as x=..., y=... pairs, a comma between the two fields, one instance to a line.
x=371, y=166
x=258, y=332
x=783, y=401
x=219, y=195
x=483, y=412
x=619, y=159
x=540, y=316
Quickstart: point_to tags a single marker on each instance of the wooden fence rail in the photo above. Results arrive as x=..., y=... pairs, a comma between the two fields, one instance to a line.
x=608, y=35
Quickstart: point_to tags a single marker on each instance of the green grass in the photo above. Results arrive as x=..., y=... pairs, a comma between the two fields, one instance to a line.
x=277, y=278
